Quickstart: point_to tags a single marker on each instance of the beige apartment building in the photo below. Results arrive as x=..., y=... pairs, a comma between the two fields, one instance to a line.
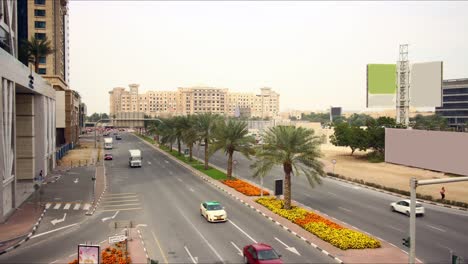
x=194, y=100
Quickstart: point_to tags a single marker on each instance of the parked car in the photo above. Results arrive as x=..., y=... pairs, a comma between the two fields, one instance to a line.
x=403, y=206
x=118, y=137
x=107, y=156
x=213, y=211
x=261, y=253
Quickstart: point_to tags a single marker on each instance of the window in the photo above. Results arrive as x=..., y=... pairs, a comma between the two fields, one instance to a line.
x=40, y=36
x=39, y=24
x=42, y=60
x=39, y=12
x=39, y=2
x=42, y=71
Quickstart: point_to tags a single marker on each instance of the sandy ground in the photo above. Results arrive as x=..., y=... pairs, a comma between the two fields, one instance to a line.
x=391, y=175
x=80, y=155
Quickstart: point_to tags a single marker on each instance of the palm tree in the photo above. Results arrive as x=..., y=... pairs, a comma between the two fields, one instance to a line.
x=167, y=132
x=190, y=135
x=181, y=124
x=37, y=48
x=205, y=125
x=232, y=136
x=296, y=149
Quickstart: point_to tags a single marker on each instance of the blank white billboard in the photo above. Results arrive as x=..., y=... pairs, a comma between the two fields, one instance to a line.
x=426, y=84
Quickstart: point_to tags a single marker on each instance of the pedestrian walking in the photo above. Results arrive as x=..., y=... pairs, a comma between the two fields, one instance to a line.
x=442, y=193
x=40, y=175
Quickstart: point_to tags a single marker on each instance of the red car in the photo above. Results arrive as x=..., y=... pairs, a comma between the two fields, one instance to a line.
x=107, y=156
x=261, y=253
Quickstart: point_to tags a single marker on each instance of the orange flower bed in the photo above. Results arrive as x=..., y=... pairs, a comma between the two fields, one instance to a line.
x=244, y=187
x=310, y=217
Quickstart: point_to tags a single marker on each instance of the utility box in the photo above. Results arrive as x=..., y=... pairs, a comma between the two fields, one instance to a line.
x=278, y=187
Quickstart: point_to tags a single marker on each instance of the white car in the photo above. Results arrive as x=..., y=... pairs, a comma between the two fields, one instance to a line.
x=213, y=211
x=403, y=206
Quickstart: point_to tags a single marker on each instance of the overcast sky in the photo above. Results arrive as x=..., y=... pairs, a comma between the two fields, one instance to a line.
x=313, y=53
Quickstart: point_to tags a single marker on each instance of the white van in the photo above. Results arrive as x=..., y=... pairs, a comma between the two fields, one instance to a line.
x=107, y=143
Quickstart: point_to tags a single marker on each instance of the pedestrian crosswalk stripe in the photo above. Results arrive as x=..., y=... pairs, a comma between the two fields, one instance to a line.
x=77, y=206
x=48, y=205
x=67, y=206
x=57, y=206
x=86, y=206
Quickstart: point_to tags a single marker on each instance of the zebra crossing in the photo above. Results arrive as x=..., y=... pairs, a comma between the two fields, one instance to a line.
x=112, y=202
x=68, y=206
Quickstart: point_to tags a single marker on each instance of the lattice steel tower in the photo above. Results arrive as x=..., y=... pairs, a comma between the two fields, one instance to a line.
x=403, y=86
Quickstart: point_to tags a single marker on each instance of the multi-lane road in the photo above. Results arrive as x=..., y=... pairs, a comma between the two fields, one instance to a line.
x=163, y=199
x=438, y=232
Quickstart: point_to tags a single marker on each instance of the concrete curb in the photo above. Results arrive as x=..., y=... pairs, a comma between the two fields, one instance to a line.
x=143, y=243
x=396, y=194
x=209, y=180
x=91, y=211
x=28, y=236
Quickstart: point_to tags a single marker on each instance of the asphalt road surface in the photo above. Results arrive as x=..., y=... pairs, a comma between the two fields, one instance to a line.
x=440, y=231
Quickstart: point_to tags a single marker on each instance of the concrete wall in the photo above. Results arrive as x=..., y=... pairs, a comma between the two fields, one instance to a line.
x=433, y=150
x=60, y=109
x=25, y=146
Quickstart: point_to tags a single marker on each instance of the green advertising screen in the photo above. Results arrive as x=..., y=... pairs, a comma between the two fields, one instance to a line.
x=381, y=78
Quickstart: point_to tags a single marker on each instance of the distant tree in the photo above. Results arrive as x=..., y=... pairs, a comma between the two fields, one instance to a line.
x=358, y=119
x=323, y=118
x=96, y=117
x=190, y=135
x=205, y=125
x=432, y=122
x=350, y=136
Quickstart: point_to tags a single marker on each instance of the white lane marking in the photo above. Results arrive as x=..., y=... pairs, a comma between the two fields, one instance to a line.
x=110, y=217
x=332, y=194
x=54, y=230
x=120, y=198
x=119, y=201
x=149, y=162
x=86, y=206
x=194, y=261
x=77, y=206
x=101, y=242
x=48, y=205
x=57, y=206
x=179, y=179
x=204, y=239
x=230, y=221
x=67, y=206
x=118, y=194
x=76, y=180
x=357, y=188
x=238, y=249
x=436, y=228
x=166, y=161
x=54, y=261
x=72, y=255
x=395, y=228
x=292, y=249
x=191, y=189
x=56, y=221
x=342, y=208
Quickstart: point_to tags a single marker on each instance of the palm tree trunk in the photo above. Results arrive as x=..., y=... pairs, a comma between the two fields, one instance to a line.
x=206, y=153
x=170, y=147
x=229, y=167
x=178, y=145
x=190, y=152
x=287, y=186
x=36, y=64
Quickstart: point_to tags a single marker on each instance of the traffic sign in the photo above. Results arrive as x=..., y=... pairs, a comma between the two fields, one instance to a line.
x=116, y=239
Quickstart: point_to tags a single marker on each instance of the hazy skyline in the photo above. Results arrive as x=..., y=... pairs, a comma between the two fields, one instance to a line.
x=313, y=53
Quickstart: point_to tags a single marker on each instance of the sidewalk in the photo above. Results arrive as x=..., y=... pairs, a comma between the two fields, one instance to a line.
x=20, y=226
x=386, y=254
